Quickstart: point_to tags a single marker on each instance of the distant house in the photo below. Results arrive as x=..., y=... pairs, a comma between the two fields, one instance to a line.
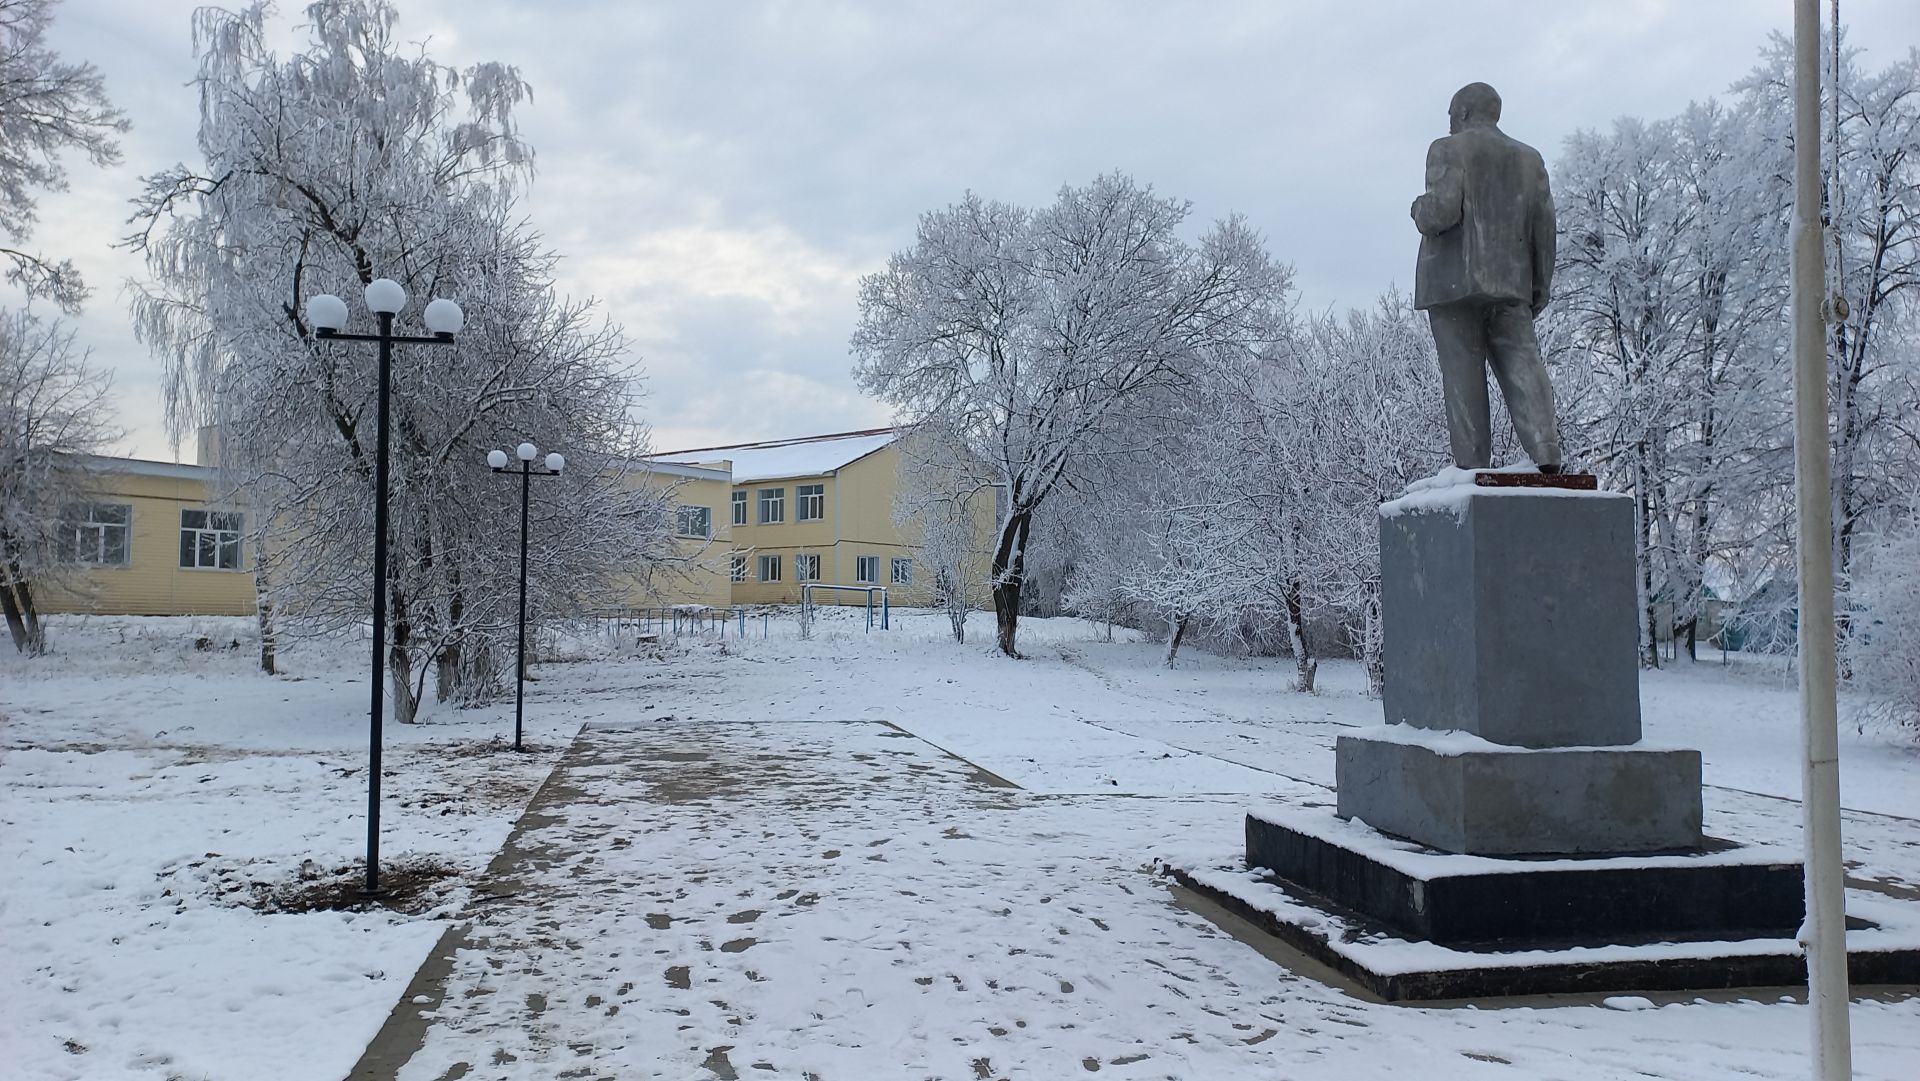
x=816, y=508
x=148, y=539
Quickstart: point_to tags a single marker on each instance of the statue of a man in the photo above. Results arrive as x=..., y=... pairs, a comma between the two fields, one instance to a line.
x=1485, y=272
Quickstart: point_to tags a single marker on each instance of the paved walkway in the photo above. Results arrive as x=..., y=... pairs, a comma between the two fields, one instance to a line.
x=845, y=902
x=834, y=900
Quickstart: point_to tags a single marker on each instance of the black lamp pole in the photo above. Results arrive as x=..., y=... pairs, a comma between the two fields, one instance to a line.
x=386, y=339
x=555, y=463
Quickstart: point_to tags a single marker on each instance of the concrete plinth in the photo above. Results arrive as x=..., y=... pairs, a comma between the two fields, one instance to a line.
x=1456, y=793
x=1510, y=615
x=1725, y=893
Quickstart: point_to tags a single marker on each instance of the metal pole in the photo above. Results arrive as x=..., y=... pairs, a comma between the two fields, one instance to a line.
x=379, y=610
x=1825, y=933
x=520, y=654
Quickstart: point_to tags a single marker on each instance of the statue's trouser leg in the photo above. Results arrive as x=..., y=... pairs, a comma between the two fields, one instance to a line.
x=1460, y=336
x=1523, y=380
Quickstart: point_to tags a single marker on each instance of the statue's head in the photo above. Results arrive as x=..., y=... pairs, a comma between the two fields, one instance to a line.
x=1473, y=105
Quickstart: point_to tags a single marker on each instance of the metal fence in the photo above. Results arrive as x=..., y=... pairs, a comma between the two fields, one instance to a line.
x=677, y=620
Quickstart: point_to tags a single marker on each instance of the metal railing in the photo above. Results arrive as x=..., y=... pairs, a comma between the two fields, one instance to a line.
x=678, y=620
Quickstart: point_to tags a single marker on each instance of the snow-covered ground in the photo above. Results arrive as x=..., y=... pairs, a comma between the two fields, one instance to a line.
x=143, y=782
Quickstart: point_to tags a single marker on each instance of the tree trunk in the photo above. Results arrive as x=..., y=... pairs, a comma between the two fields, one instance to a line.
x=31, y=639
x=400, y=661
x=1009, y=572
x=1372, y=658
x=264, y=609
x=1177, y=629
x=1304, y=666
x=16, y=623
x=956, y=604
x=1643, y=510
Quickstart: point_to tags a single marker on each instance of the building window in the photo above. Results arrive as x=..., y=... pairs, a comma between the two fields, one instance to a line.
x=96, y=534
x=695, y=522
x=739, y=508
x=773, y=505
x=867, y=570
x=769, y=568
x=210, y=539
x=806, y=568
x=903, y=572
x=737, y=567
x=812, y=500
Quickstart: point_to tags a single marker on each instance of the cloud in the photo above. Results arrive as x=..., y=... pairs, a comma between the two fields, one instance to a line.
x=721, y=174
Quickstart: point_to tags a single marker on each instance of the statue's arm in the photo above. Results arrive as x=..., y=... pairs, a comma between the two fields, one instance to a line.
x=1545, y=242
x=1438, y=210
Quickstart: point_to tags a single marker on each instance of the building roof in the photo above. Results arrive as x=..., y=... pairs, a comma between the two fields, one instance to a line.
x=146, y=467
x=806, y=456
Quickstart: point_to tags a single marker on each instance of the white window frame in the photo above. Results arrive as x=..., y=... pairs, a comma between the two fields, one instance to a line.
x=683, y=512
x=737, y=567
x=83, y=534
x=773, y=506
x=809, y=498
x=769, y=568
x=740, y=508
x=902, y=572
x=866, y=570
x=225, y=538
x=806, y=567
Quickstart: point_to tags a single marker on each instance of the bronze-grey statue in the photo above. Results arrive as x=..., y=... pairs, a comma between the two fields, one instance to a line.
x=1485, y=272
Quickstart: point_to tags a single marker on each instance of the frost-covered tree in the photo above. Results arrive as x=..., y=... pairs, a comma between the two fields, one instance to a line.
x=54, y=413
x=47, y=106
x=1377, y=424
x=1871, y=169
x=938, y=505
x=1034, y=331
x=1883, y=653
x=1666, y=341
x=361, y=157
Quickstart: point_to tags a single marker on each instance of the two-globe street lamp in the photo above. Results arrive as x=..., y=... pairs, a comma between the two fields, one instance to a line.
x=327, y=314
x=526, y=452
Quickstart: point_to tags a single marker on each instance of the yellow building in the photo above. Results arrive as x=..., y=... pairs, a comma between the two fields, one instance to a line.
x=147, y=540
x=703, y=536
x=816, y=509
x=752, y=522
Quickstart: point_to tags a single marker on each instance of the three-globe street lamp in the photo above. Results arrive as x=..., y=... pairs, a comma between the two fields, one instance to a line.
x=327, y=314
x=526, y=452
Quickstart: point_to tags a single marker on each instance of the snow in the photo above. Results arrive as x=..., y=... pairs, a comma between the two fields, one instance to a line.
x=1452, y=743
x=795, y=853
x=780, y=459
x=141, y=780
x=1448, y=492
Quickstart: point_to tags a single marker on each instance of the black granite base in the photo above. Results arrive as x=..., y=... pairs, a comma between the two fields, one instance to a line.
x=1466, y=900
x=1377, y=961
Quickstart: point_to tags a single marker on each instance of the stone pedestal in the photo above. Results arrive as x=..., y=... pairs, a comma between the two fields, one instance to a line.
x=1513, y=684
x=1510, y=614
x=1461, y=794
x=1508, y=819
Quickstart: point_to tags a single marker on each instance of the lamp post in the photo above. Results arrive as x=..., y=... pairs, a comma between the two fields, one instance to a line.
x=526, y=452
x=327, y=314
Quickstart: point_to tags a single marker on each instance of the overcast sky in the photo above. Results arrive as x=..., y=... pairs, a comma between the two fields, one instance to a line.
x=721, y=174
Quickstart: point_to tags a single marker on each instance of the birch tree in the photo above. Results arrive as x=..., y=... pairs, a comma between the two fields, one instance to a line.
x=354, y=159
x=1032, y=332
x=47, y=106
